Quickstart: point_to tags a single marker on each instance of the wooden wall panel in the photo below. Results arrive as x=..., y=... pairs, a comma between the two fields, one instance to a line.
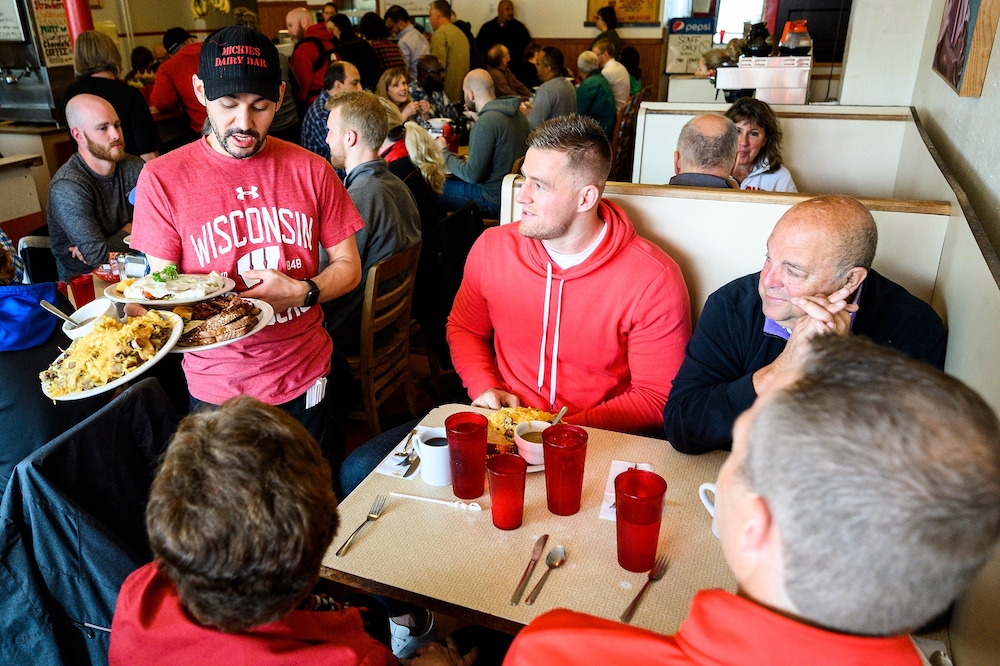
x=272, y=15
x=650, y=55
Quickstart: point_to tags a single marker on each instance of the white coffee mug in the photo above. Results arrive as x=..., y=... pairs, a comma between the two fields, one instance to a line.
x=435, y=459
x=703, y=492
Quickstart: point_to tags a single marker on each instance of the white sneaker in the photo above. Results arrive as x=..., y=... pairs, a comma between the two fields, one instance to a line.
x=404, y=644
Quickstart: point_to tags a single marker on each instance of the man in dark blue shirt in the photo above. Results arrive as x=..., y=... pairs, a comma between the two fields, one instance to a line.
x=817, y=280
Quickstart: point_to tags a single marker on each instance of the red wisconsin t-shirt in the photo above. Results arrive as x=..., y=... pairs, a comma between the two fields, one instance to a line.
x=206, y=211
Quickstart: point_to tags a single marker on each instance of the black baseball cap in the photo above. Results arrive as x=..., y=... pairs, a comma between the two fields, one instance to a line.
x=239, y=60
x=174, y=38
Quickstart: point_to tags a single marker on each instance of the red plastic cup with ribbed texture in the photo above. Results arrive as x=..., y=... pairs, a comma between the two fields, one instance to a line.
x=466, y=432
x=564, y=448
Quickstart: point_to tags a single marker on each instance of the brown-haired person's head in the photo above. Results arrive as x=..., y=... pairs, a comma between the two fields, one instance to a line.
x=240, y=514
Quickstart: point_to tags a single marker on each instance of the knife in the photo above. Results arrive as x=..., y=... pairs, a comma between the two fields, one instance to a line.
x=535, y=554
x=412, y=468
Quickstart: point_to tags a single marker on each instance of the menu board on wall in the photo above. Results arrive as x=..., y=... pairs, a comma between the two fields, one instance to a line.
x=56, y=47
x=628, y=12
x=10, y=22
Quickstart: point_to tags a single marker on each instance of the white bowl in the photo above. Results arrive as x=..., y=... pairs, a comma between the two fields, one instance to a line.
x=439, y=123
x=530, y=451
x=94, y=309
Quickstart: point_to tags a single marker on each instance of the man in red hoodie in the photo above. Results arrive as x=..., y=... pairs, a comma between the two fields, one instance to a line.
x=861, y=498
x=173, y=88
x=313, y=47
x=570, y=307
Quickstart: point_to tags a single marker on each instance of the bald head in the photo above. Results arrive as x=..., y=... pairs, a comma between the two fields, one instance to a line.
x=95, y=126
x=707, y=144
x=842, y=224
x=83, y=110
x=296, y=21
x=479, y=82
x=498, y=56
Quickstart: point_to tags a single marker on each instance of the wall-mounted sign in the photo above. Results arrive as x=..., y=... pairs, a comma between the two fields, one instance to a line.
x=628, y=12
x=688, y=39
x=56, y=46
x=11, y=29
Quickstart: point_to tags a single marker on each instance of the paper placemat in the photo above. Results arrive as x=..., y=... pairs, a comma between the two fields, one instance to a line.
x=617, y=467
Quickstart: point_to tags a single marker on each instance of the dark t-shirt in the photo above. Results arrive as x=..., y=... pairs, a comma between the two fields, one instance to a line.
x=137, y=122
x=88, y=211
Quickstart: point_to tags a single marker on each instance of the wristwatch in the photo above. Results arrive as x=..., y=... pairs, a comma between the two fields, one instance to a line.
x=313, y=296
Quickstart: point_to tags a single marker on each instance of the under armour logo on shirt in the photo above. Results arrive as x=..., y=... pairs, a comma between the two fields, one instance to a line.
x=241, y=194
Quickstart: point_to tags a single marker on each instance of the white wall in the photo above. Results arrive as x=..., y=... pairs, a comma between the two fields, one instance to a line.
x=884, y=42
x=964, y=129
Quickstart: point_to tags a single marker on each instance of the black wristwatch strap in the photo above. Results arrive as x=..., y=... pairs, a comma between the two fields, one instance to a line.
x=313, y=296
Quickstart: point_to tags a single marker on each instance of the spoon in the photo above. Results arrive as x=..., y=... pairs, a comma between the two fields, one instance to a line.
x=62, y=315
x=556, y=558
x=562, y=413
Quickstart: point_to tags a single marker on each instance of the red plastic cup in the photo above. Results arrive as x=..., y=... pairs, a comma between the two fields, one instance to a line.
x=506, y=473
x=564, y=449
x=639, y=509
x=82, y=287
x=466, y=432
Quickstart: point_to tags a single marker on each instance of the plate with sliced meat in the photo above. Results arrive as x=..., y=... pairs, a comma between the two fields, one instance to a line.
x=220, y=321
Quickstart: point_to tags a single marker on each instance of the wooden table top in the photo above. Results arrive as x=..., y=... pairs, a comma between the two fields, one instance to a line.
x=456, y=562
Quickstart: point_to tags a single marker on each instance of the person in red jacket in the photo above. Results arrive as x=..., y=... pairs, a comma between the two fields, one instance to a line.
x=239, y=517
x=861, y=498
x=173, y=87
x=314, y=46
x=570, y=307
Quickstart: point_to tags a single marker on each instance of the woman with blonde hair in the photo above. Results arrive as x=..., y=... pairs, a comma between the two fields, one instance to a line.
x=415, y=159
x=97, y=64
x=393, y=86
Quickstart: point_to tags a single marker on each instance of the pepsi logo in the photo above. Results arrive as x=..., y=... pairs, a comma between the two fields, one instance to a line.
x=677, y=26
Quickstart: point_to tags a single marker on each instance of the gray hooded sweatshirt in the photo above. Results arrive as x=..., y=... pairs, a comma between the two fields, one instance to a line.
x=499, y=136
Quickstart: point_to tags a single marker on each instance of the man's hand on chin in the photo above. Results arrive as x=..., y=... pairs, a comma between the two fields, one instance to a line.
x=495, y=398
x=823, y=315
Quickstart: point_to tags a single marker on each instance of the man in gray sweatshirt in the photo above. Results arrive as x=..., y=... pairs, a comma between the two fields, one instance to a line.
x=88, y=209
x=556, y=96
x=498, y=138
x=357, y=128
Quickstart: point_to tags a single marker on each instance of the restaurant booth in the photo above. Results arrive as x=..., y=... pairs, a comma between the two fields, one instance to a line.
x=930, y=241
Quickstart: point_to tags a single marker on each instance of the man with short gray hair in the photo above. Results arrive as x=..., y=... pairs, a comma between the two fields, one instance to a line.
x=357, y=128
x=706, y=153
x=861, y=498
x=817, y=280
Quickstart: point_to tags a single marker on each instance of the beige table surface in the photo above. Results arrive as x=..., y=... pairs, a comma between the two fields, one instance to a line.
x=458, y=563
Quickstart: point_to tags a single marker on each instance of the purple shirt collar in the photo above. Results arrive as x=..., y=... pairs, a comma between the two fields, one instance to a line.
x=772, y=327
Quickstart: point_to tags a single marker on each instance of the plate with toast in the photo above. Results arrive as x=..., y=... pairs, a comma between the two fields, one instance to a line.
x=220, y=321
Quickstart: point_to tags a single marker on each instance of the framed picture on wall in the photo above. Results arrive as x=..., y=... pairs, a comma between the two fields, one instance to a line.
x=629, y=12
x=964, y=42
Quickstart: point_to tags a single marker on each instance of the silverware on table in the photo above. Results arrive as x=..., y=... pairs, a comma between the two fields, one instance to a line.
x=523, y=583
x=555, y=559
x=655, y=574
x=405, y=451
x=377, y=506
x=562, y=413
x=414, y=464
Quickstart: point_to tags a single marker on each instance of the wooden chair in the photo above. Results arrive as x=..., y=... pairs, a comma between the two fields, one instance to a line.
x=623, y=139
x=383, y=364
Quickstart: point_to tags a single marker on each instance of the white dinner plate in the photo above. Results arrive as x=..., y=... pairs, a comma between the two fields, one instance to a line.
x=263, y=318
x=109, y=292
x=535, y=468
x=110, y=386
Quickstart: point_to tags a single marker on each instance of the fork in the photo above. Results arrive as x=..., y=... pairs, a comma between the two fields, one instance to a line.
x=655, y=574
x=377, y=506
